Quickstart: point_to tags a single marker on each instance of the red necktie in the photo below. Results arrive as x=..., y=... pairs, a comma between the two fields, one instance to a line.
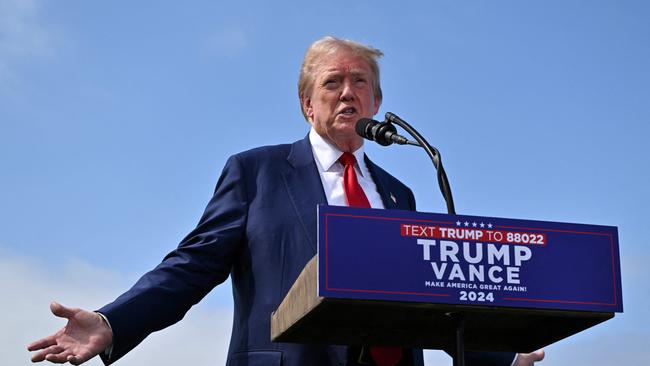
x=353, y=191
x=383, y=356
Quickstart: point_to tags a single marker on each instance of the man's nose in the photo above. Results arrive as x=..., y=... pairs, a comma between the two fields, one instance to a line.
x=347, y=93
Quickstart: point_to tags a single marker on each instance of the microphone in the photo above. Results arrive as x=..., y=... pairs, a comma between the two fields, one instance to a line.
x=383, y=133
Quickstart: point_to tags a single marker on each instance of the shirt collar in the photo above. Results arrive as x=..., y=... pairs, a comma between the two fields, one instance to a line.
x=327, y=154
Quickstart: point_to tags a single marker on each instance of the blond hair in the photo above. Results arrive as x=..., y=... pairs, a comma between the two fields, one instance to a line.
x=328, y=46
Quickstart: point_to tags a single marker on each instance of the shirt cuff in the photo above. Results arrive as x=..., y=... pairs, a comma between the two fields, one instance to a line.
x=107, y=352
x=511, y=364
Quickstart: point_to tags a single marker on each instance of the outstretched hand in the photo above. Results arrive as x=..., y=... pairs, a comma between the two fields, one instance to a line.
x=84, y=336
x=529, y=359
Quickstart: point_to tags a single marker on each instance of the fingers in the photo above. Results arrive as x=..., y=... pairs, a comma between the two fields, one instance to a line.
x=61, y=311
x=59, y=354
x=42, y=355
x=41, y=343
x=68, y=357
x=529, y=359
x=80, y=358
x=62, y=357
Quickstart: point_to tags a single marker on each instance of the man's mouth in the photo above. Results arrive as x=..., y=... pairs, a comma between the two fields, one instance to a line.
x=348, y=111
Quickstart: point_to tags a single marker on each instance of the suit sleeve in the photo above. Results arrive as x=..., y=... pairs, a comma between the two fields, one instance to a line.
x=203, y=260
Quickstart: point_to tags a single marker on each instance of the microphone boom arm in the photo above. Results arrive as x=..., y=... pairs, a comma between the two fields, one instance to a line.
x=433, y=153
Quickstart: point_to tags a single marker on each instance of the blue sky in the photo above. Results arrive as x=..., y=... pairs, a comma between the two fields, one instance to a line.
x=116, y=119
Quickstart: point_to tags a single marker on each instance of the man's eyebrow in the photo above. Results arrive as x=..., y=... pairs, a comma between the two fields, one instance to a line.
x=357, y=72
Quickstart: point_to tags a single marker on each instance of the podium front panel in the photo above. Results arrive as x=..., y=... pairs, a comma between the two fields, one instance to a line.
x=405, y=256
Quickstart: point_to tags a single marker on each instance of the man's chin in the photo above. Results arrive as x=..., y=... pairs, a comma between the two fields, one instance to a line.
x=347, y=140
x=346, y=129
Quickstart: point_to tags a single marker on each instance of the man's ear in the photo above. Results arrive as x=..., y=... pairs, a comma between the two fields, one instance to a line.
x=377, y=105
x=307, y=107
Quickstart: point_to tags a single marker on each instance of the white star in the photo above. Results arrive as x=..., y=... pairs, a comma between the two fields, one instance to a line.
x=466, y=223
x=489, y=226
x=457, y=223
x=473, y=224
x=482, y=225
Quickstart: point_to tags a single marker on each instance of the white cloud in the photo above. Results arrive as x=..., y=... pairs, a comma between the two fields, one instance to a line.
x=28, y=286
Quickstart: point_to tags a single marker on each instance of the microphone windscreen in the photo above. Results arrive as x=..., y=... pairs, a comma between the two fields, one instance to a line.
x=363, y=127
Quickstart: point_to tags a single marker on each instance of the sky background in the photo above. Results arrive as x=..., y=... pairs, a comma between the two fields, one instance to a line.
x=116, y=119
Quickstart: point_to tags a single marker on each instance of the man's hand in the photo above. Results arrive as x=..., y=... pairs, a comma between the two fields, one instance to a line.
x=529, y=359
x=84, y=337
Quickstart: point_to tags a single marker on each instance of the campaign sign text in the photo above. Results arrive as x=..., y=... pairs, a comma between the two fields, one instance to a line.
x=471, y=260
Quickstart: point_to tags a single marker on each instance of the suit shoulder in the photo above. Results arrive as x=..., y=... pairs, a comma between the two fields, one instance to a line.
x=265, y=150
x=262, y=153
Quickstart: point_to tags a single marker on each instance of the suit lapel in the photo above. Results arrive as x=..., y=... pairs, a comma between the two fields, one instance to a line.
x=304, y=187
x=383, y=186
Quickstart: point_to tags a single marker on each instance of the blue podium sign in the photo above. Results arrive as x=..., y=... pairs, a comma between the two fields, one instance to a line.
x=467, y=260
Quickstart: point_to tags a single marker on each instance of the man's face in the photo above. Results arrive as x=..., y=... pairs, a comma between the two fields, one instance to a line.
x=342, y=93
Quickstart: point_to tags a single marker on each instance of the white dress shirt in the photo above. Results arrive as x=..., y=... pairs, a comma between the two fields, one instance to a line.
x=331, y=172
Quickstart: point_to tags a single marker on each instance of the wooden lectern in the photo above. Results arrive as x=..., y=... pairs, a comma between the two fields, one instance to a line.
x=397, y=278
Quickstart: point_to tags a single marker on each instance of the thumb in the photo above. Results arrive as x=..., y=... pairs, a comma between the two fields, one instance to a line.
x=538, y=355
x=61, y=311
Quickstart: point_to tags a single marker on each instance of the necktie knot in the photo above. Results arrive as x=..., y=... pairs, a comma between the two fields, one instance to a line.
x=347, y=159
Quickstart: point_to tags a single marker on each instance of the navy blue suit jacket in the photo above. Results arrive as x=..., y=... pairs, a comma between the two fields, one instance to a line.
x=259, y=228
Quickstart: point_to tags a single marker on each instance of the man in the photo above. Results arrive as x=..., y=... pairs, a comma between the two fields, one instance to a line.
x=260, y=228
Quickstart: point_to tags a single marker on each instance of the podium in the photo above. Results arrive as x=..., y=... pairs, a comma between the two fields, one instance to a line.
x=400, y=278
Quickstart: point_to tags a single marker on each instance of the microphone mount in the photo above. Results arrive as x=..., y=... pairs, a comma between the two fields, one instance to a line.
x=434, y=155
